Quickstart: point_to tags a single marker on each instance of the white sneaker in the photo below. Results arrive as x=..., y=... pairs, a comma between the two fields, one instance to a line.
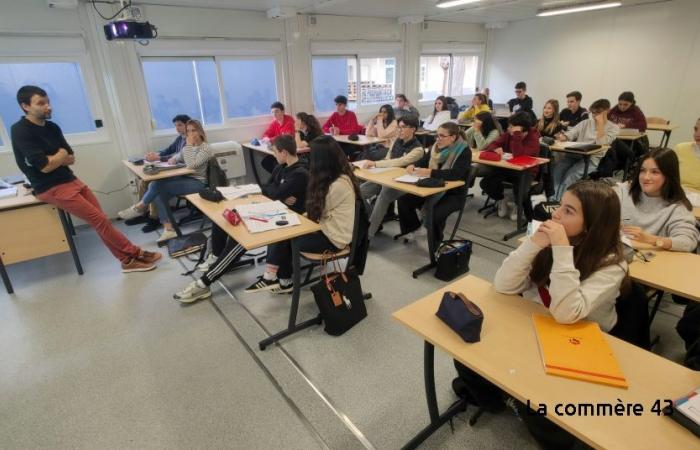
x=130, y=213
x=192, y=293
x=165, y=237
x=514, y=214
x=502, y=208
x=211, y=259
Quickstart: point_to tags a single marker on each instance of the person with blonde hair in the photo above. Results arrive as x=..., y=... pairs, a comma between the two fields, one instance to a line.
x=549, y=124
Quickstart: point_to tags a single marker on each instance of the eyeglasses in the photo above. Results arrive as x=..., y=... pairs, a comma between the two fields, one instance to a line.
x=518, y=91
x=443, y=136
x=403, y=127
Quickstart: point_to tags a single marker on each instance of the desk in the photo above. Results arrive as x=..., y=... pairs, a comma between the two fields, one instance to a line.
x=666, y=128
x=361, y=141
x=386, y=179
x=254, y=240
x=508, y=356
x=267, y=151
x=422, y=135
x=138, y=171
x=696, y=209
x=559, y=146
x=524, y=179
x=31, y=229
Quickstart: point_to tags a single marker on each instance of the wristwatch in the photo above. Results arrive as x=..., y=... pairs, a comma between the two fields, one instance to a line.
x=659, y=243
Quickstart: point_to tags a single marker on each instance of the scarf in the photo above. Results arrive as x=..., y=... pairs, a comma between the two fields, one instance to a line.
x=447, y=156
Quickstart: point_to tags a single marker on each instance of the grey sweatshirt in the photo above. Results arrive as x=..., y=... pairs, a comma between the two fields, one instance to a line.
x=585, y=131
x=196, y=158
x=477, y=140
x=660, y=218
x=571, y=299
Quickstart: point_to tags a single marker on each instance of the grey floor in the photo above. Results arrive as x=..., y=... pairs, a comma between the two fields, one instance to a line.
x=107, y=360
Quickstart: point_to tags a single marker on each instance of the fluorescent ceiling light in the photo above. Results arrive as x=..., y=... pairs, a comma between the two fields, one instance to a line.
x=451, y=3
x=575, y=9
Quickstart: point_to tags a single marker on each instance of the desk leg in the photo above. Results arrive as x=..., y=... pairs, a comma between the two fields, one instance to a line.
x=657, y=302
x=665, y=138
x=429, y=207
x=251, y=153
x=436, y=419
x=70, y=223
x=171, y=218
x=586, y=163
x=69, y=237
x=5, y=278
x=523, y=189
x=292, y=326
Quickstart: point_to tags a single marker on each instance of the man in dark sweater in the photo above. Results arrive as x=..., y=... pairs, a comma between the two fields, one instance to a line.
x=522, y=102
x=44, y=156
x=288, y=185
x=574, y=113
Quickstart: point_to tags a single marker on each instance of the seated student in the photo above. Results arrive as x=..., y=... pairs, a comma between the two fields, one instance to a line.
x=483, y=131
x=330, y=201
x=439, y=116
x=573, y=113
x=487, y=92
x=287, y=184
x=549, y=124
x=307, y=129
x=195, y=155
x=405, y=150
x=574, y=266
x=521, y=139
x=383, y=125
x=689, y=158
x=479, y=104
x=450, y=160
x=597, y=129
x=522, y=102
x=626, y=114
x=403, y=107
x=342, y=121
x=44, y=157
x=281, y=124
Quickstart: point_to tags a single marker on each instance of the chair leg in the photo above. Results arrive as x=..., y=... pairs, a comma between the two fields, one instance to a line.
x=459, y=218
x=477, y=414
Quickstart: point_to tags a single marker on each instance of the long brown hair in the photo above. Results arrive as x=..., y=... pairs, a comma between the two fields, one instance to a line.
x=549, y=128
x=313, y=127
x=197, y=126
x=327, y=162
x=599, y=244
x=672, y=191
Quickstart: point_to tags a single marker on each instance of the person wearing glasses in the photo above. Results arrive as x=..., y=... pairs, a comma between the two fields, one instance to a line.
x=406, y=150
x=522, y=102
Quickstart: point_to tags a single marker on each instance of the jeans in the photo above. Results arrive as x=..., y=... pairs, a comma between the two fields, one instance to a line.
x=161, y=191
x=408, y=218
x=568, y=170
x=280, y=254
x=385, y=197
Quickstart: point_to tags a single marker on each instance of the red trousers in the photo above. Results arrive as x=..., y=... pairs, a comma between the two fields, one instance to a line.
x=77, y=199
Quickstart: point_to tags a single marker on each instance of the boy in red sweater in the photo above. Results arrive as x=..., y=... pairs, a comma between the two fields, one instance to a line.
x=520, y=140
x=282, y=123
x=342, y=121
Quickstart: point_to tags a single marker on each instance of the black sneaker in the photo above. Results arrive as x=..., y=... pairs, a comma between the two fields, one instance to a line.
x=151, y=225
x=136, y=220
x=262, y=285
x=283, y=288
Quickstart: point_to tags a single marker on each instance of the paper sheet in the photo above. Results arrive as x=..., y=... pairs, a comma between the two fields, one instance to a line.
x=411, y=179
x=231, y=192
x=259, y=217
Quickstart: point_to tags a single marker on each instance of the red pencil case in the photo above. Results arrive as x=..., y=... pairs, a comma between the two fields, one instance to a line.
x=232, y=216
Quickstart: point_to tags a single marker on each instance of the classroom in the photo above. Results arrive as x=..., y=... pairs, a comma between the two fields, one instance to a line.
x=250, y=224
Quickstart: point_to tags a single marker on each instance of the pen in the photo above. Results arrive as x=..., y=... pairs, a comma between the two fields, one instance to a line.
x=258, y=219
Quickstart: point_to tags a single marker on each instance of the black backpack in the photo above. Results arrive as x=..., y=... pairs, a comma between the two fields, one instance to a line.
x=215, y=174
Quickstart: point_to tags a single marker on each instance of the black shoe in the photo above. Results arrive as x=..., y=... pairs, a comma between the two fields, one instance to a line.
x=136, y=220
x=263, y=285
x=151, y=225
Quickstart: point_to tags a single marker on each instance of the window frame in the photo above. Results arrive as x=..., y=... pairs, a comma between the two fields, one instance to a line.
x=100, y=135
x=452, y=55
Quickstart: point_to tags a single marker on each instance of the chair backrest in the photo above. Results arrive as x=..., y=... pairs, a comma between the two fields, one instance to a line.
x=660, y=120
x=632, y=309
x=215, y=175
x=359, y=245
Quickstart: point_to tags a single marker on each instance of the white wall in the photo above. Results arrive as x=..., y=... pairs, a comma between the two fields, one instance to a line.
x=652, y=50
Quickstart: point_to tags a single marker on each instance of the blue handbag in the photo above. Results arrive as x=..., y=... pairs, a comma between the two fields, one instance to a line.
x=462, y=315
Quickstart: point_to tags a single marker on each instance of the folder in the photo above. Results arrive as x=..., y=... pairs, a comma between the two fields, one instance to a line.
x=524, y=161
x=579, y=351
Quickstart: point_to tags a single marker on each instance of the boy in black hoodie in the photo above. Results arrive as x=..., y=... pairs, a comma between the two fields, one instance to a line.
x=288, y=185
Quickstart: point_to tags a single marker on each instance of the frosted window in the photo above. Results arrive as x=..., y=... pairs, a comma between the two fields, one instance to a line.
x=250, y=86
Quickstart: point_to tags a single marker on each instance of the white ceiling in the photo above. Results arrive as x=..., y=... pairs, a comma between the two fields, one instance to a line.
x=485, y=11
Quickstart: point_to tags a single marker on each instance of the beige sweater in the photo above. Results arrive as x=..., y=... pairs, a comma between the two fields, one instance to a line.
x=390, y=132
x=339, y=214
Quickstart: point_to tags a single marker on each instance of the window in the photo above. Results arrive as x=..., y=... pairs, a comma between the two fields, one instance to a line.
x=63, y=81
x=374, y=83
x=250, y=86
x=451, y=75
x=182, y=87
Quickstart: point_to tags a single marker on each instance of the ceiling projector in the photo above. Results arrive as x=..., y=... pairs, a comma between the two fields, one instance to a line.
x=128, y=25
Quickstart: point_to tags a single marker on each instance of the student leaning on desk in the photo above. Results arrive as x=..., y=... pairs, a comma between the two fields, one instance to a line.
x=574, y=266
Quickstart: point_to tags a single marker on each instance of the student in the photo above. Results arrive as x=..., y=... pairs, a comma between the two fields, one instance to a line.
x=479, y=104
x=439, y=116
x=487, y=93
x=405, y=151
x=573, y=113
x=403, y=107
x=689, y=159
x=44, y=156
x=597, y=129
x=574, y=266
x=450, y=160
x=288, y=185
x=655, y=209
x=626, y=114
x=522, y=102
x=384, y=125
x=521, y=139
x=549, y=124
x=342, y=121
x=281, y=123
x=483, y=131
x=330, y=201
x=195, y=155
x=307, y=129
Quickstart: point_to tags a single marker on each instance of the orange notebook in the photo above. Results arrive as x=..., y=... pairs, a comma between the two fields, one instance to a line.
x=577, y=351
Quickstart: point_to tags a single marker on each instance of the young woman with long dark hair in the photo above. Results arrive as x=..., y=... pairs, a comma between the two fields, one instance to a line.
x=440, y=115
x=307, y=129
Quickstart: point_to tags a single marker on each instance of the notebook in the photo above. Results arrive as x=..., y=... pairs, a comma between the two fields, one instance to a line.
x=686, y=411
x=579, y=351
x=410, y=179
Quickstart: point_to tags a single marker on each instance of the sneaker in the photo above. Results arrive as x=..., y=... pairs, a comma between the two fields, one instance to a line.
x=136, y=220
x=149, y=257
x=514, y=214
x=192, y=293
x=262, y=285
x=409, y=237
x=151, y=225
x=283, y=288
x=136, y=265
x=211, y=259
x=131, y=212
x=165, y=237
x=502, y=208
